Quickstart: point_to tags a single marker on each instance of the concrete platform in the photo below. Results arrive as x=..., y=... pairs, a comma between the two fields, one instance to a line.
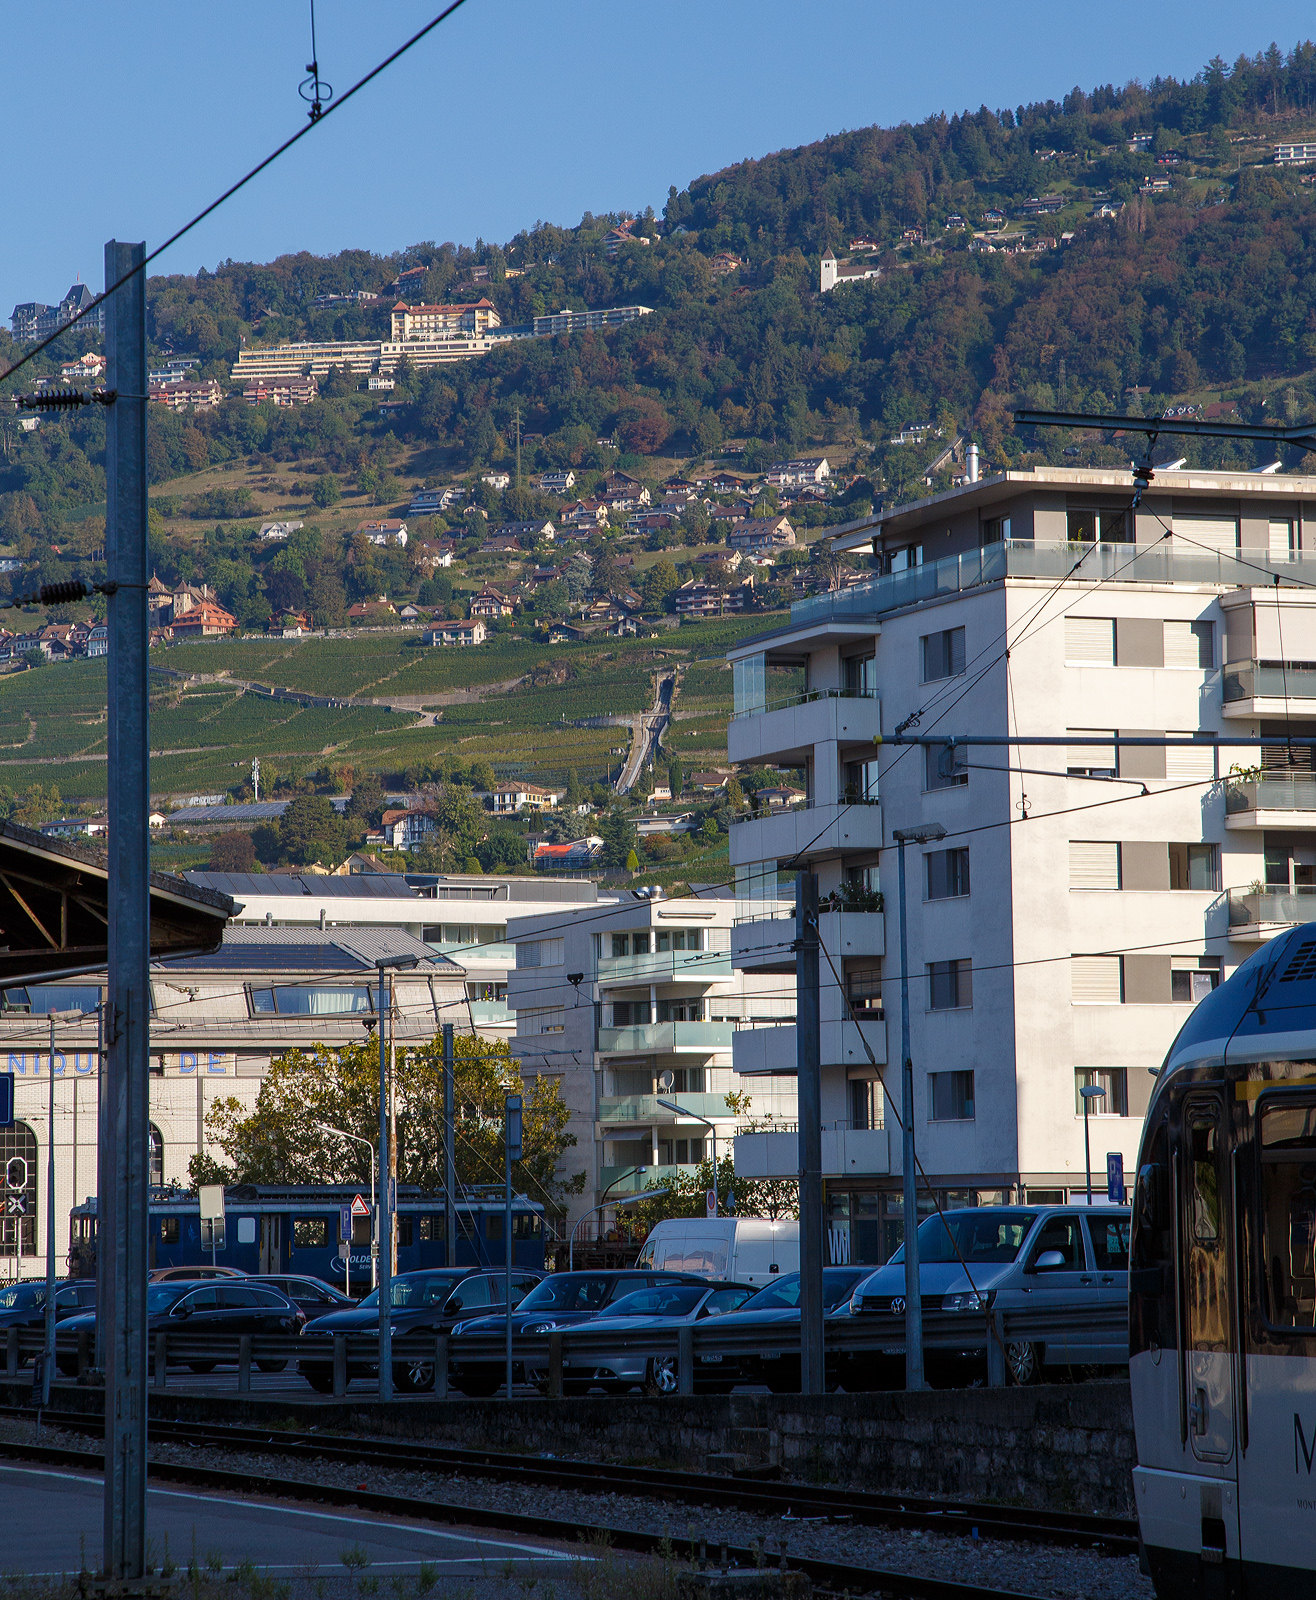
x=53, y=1526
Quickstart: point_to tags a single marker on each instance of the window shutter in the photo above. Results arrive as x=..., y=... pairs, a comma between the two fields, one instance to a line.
x=1096, y=980
x=1092, y=757
x=1094, y=864
x=1183, y=645
x=1186, y=765
x=1280, y=542
x=1090, y=640
x=1216, y=533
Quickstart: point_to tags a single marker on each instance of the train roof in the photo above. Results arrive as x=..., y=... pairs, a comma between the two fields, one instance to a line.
x=1265, y=1011
x=260, y=1196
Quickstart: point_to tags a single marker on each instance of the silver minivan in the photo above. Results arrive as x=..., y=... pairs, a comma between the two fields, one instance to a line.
x=1068, y=1259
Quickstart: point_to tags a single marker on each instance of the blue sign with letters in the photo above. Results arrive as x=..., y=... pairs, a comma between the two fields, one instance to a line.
x=1115, y=1177
x=6, y=1099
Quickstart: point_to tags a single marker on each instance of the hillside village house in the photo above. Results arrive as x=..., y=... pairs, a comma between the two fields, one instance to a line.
x=698, y=599
x=406, y=829
x=792, y=474
x=761, y=535
x=381, y=610
x=458, y=633
x=386, y=530
x=832, y=272
x=273, y=531
x=577, y=856
x=511, y=797
x=534, y=530
x=288, y=391
x=429, y=322
x=557, y=482
x=491, y=602
x=201, y=396
x=206, y=620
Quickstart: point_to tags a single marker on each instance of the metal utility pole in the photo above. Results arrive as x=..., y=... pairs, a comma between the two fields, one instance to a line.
x=449, y=1161
x=913, y=1284
x=124, y=1178
x=48, y=1351
x=808, y=1060
x=511, y=1153
x=387, y=1183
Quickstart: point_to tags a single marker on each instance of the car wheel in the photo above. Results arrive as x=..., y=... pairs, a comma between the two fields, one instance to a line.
x=413, y=1376
x=576, y=1388
x=271, y=1366
x=661, y=1376
x=68, y=1367
x=322, y=1382
x=480, y=1385
x=1024, y=1362
x=201, y=1366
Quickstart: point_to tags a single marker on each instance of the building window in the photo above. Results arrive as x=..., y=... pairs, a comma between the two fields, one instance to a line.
x=680, y=1152
x=676, y=939
x=625, y=1014
x=950, y=985
x=948, y=873
x=1192, y=978
x=1193, y=763
x=310, y=1000
x=1094, y=864
x=540, y=953
x=687, y=1080
x=863, y=988
x=995, y=530
x=1097, y=980
x=1115, y=1082
x=944, y=766
x=680, y=1011
x=169, y=1230
x=951, y=1095
x=310, y=1233
x=1190, y=645
x=860, y=783
x=943, y=654
x=1092, y=760
x=861, y=675
x=1195, y=866
x=1090, y=641
x=865, y=1104
x=542, y=1019
x=155, y=1156
x=433, y=1228
x=406, y=1232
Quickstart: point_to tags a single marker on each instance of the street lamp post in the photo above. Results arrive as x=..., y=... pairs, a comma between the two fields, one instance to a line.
x=571, y=1245
x=385, y=1278
x=671, y=1105
x=1090, y=1092
x=913, y=1303
x=356, y=1138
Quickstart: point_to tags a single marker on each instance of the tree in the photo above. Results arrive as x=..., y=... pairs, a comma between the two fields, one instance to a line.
x=575, y=794
x=482, y=775
x=619, y=839
x=735, y=794
x=328, y=601
x=327, y=492
x=660, y=581
x=675, y=776
x=632, y=862
x=311, y=830
x=282, y=1140
x=366, y=806
x=233, y=852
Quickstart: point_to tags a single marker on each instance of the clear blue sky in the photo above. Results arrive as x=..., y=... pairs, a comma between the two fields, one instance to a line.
x=125, y=119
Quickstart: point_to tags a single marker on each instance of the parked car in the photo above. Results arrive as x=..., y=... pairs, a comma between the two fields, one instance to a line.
x=312, y=1295
x=1065, y=1259
x=729, y=1249
x=220, y=1308
x=191, y=1274
x=23, y=1304
x=668, y=1305
x=421, y=1302
x=773, y=1308
x=561, y=1301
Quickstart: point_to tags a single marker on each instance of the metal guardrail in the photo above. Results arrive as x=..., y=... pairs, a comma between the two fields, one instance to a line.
x=549, y=1353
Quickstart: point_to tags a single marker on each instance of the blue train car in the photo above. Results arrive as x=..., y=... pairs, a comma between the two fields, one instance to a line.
x=299, y=1228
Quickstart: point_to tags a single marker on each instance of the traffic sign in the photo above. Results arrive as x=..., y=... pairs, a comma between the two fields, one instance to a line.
x=6, y=1099
x=16, y=1205
x=16, y=1172
x=345, y=1224
x=1115, y=1177
x=360, y=1208
x=710, y=1201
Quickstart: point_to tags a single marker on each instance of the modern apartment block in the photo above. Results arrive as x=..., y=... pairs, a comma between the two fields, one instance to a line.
x=1083, y=898
x=609, y=1000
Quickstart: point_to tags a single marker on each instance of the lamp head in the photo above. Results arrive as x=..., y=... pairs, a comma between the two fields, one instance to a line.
x=923, y=833
x=1092, y=1091
x=397, y=963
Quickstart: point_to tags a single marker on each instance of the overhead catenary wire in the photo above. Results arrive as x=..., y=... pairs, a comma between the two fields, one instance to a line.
x=152, y=255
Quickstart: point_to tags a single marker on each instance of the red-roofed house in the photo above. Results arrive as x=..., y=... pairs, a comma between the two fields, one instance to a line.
x=205, y=621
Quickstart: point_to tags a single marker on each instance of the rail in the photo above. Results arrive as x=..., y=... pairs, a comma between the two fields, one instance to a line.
x=802, y=697
x=548, y=1353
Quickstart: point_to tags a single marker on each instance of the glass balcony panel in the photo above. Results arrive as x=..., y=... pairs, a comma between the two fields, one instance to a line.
x=1270, y=794
x=666, y=966
x=1275, y=903
x=645, y=1107
x=666, y=1038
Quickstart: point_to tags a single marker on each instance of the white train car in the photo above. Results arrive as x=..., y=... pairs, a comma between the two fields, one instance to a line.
x=1222, y=1290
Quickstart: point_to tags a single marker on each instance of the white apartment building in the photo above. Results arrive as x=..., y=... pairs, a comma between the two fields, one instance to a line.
x=608, y=999
x=1082, y=899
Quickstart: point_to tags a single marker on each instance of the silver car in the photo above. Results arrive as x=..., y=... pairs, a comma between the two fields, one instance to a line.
x=1066, y=1259
x=663, y=1306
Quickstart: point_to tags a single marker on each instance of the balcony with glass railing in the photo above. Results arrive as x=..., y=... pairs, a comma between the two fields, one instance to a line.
x=666, y=966
x=847, y=1151
x=645, y=1108
x=801, y=832
x=1253, y=688
x=1260, y=913
x=666, y=1038
x=786, y=729
x=491, y=1013
x=503, y=954
x=1026, y=558
x=627, y=1180
x=1271, y=802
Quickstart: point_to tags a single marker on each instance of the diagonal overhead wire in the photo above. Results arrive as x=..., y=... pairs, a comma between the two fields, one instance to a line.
x=241, y=183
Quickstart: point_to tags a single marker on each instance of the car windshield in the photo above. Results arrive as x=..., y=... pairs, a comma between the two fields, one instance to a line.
x=160, y=1296
x=571, y=1291
x=986, y=1236
x=432, y=1289
x=669, y=1300
x=23, y=1297
x=785, y=1291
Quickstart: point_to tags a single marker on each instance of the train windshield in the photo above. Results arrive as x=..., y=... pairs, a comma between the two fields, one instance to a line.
x=987, y=1236
x=1288, y=1203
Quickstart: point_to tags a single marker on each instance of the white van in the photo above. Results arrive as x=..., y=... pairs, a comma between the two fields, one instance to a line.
x=736, y=1249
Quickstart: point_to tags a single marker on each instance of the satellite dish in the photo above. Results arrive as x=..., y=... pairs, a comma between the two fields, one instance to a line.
x=666, y=1080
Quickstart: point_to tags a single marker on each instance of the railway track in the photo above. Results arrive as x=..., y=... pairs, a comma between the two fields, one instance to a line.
x=785, y=1501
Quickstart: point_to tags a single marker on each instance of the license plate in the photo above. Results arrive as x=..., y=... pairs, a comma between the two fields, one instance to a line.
x=710, y=1359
